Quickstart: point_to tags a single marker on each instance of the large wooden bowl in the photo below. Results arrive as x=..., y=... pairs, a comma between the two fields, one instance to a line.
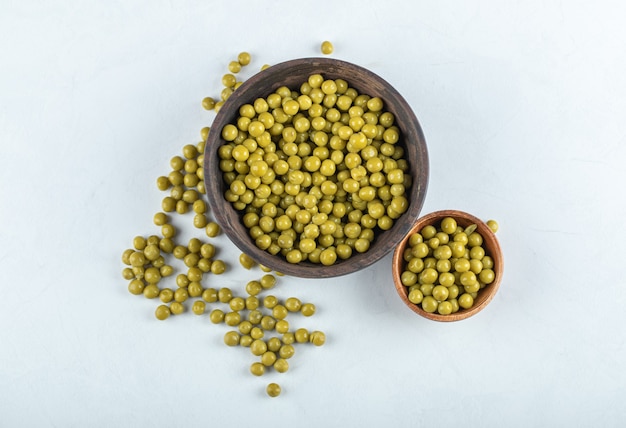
x=292, y=74
x=490, y=244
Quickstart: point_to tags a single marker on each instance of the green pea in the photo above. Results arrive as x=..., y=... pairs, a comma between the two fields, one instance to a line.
x=216, y=316
x=257, y=369
x=177, y=308
x=308, y=309
x=273, y=390
x=281, y=365
x=246, y=261
x=162, y=312
x=231, y=338
x=317, y=338
x=198, y=307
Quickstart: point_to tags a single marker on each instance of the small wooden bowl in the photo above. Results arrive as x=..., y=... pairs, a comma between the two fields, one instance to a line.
x=292, y=74
x=490, y=244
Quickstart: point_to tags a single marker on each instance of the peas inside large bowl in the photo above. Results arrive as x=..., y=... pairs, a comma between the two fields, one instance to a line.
x=292, y=74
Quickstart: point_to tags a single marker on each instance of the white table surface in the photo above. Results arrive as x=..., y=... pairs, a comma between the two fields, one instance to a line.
x=523, y=107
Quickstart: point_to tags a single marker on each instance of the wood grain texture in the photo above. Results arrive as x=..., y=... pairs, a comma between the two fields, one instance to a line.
x=292, y=74
x=490, y=244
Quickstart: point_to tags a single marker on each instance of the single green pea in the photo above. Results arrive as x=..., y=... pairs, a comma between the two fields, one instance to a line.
x=429, y=304
x=279, y=312
x=209, y=295
x=198, y=307
x=194, y=274
x=466, y=301
x=246, y=261
x=268, y=358
x=268, y=281
x=302, y=335
x=224, y=295
x=468, y=278
x=487, y=276
x=273, y=390
x=231, y=338
x=126, y=256
x=317, y=338
x=293, y=304
x=487, y=262
x=268, y=323
x=416, y=296
x=181, y=295
x=212, y=229
x=216, y=316
x=237, y=304
x=166, y=295
x=218, y=267
x=281, y=365
x=282, y=326
x=288, y=338
x=255, y=316
x=258, y=347
x=253, y=288
x=252, y=303
x=462, y=265
x=440, y=293
x=286, y=351
x=444, y=308
x=177, y=308
x=136, y=286
x=493, y=225
x=151, y=291
x=257, y=368
x=232, y=318
x=308, y=309
x=408, y=278
x=162, y=312
x=208, y=103
x=476, y=253
x=256, y=332
x=127, y=273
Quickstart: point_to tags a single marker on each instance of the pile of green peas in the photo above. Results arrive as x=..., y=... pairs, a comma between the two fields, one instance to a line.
x=146, y=261
x=260, y=323
x=316, y=173
x=446, y=267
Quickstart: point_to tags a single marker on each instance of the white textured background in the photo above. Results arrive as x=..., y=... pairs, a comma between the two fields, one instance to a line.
x=523, y=106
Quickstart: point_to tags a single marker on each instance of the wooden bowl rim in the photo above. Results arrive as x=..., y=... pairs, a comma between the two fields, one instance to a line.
x=385, y=242
x=495, y=252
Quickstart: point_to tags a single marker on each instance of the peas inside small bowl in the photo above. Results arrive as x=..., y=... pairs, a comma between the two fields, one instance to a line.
x=449, y=266
x=230, y=197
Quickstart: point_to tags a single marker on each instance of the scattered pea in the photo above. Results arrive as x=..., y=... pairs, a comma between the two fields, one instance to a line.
x=308, y=309
x=162, y=312
x=246, y=261
x=273, y=390
x=231, y=338
x=317, y=338
x=177, y=308
x=257, y=369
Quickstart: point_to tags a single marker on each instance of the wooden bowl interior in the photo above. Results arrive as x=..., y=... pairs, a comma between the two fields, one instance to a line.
x=292, y=74
x=490, y=244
